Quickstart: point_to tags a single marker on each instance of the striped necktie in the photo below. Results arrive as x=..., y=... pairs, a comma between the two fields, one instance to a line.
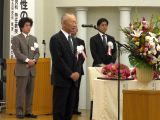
x=104, y=41
x=70, y=43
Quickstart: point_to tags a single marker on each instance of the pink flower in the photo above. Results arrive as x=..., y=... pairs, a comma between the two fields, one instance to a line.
x=131, y=26
x=145, y=27
x=156, y=75
x=111, y=71
x=146, y=49
x=144, y=21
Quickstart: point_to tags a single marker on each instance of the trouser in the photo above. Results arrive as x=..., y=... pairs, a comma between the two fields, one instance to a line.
x=63, y=102
x=77, y=95
x=24, y=93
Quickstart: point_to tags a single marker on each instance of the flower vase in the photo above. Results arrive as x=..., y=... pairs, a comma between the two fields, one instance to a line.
x=144, y=76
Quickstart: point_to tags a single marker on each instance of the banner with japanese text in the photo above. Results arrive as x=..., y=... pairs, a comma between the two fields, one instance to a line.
x=18, y=10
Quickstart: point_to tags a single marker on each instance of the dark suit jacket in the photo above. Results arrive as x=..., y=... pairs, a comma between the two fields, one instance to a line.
x=80, y=57
x=64, y=62
x=22, y=50
x=98, y=51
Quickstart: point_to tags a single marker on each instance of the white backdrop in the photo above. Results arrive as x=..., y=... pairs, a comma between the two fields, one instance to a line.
x=18, y=10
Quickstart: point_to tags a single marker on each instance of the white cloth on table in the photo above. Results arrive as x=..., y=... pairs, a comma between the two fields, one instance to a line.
x=93, y=73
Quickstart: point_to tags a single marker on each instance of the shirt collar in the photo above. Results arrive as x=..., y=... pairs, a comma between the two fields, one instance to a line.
x=101, y=34
x=65, y=33
x=25, y=35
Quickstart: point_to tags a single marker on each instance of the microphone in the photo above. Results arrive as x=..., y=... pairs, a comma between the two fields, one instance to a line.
x=43, y=42
x=44, y=48
x=91, y=25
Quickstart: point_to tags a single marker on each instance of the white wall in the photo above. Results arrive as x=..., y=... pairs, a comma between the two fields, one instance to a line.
x=39, y=23
x=146, y=12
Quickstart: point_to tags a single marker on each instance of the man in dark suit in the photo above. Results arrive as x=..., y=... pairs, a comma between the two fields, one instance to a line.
x=80, y=60
x=65, y=71
x=103, y=46
x=25, y=48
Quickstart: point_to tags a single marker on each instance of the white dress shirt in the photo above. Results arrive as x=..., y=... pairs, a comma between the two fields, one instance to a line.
x=102, y=36
x=25, y=35
x=66, y=35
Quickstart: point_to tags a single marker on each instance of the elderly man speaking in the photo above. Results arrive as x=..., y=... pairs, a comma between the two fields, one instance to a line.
x=64, y=68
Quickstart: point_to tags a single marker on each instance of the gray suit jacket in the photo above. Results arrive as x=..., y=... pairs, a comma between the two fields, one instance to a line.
x=22, y=50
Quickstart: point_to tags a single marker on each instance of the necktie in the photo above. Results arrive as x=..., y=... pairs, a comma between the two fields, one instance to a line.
x=104, y=41
x=27, y=38
x=70, y=43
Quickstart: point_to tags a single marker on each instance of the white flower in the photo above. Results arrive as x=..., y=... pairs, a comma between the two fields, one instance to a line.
x=144, y=54
x=158, y=59
x=110, y=45
x=152, y=34
x=80, y=48
x=158, y=47
x=148, y=38
x=149, y=52
x=156, y=39
x=152, y=44
x=154, y=52
x=154, y=61
x=137, y=33
x=36, y=45
x=32, y=48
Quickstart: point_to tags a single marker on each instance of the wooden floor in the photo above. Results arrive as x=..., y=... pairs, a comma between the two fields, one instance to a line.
x=84, y=116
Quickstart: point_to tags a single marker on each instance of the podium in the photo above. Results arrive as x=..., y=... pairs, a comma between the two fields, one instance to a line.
x=42, y=99
x=141, y=105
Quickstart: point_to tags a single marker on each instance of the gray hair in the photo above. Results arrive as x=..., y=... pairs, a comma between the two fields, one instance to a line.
x=65, y=16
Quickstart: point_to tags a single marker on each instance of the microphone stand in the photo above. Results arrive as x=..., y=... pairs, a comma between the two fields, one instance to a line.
x=44, y=48
x=119, y=51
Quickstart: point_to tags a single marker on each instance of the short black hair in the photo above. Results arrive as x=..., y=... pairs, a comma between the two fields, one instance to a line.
x=22, y=22
x=102, y=20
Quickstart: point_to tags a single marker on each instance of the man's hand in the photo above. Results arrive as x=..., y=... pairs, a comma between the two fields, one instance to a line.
x=30, y=63
x=102, y=65
x=34, y=60
x=75, y=76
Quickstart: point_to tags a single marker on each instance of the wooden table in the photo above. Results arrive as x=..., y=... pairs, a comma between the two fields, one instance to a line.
x=42, y=100
x=141, y=105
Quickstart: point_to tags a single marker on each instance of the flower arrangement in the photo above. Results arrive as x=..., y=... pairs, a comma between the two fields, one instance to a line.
x=34, y=49
x=144, y=42
x=111, y=71
x=80, y=50
x=156, y=75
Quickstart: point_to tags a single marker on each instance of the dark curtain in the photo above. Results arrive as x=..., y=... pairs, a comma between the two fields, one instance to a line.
x=1, y=41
